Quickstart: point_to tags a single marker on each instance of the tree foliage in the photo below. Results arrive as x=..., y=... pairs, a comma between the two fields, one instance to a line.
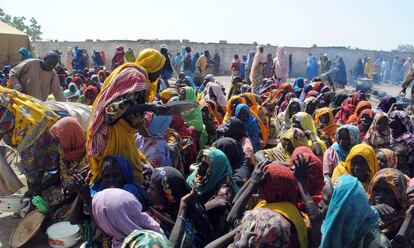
x=32, y=29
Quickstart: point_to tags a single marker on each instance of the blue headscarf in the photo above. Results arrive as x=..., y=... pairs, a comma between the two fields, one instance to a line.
x=355, y=139
x=252, y=126
x=298, y=85
x=178, y=59
x=250, y=61
x=97, y=58
x=26, y=54
x=130, y=185
x=313, y=68
x=194, y=60
x=349, y=215
x=78, y=61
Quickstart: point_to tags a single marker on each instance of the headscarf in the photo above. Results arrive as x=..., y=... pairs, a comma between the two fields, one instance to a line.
x=329, y=129
x=250, y=60
x=72, y=91
x=129, y=55
x=279, y=185
x=355, y=139
x=360, y=106
x=91, y=89
x=194, y=60
x=312, y=93
x=338, y=99
x=349, y=215
x=235, y=129
x=152, y=60
x=118, y=58
x=194, y=118
x=270, y=228
x=118, y=213
x=368, y=112
x=295, y=136
x=251, y=125
x=268, y=70
x=369, y=68
x=397, y=182
x=374, y=137
x=298, y=85
x=172, y=184
x=287, y=114
x=71, y=137
x=213, y=107
x=229, y=112
x=288, y=97
x=130, y=185
x=281, y=63
x=218, y=92
x=219, y=168
x=407, y=138
x=385, y=103
x=146, y=239
x=232, y=149
x=368, y=153
x=314, y=181
x=306, y=121
x=26, y=54
x=390, y=156
x=118, y=139
x=258, y=112
x=313, y=68
x=347, y=107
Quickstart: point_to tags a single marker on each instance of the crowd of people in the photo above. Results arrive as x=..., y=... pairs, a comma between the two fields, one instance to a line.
x=269, y=163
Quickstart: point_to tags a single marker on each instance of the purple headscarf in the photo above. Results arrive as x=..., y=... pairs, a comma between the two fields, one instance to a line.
x=386, y=103
x=118, y=213
x=407, y=138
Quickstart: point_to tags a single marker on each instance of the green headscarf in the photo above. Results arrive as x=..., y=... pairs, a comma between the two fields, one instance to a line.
x=219, y=167
x=194, y=117
x=129, y=55
x=145, y=239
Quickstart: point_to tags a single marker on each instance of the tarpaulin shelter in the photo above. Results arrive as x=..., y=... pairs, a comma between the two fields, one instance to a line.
x=11, y=40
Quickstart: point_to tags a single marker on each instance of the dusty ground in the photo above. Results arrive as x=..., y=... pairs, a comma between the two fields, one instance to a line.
x=8, y=223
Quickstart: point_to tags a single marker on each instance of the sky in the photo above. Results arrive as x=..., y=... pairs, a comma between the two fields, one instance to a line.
x=364, y=24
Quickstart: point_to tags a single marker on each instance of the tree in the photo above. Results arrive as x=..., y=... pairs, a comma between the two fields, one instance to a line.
x=33, y=30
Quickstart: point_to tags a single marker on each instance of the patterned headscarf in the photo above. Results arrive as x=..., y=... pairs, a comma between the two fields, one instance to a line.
x=355, y=139
x=407, y=138
x=269, y=228
x=374, y=137
x=391, y=158
x=146, y=239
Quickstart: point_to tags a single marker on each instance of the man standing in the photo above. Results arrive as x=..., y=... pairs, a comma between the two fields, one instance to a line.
x=37, y=78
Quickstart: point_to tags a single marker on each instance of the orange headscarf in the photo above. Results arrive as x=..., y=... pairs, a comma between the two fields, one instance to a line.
x=360, y=106
x=330, y=129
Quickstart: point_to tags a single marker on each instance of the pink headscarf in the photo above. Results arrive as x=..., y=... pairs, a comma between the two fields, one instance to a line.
x=218, y=92
x=118, y=212
x=281, y=63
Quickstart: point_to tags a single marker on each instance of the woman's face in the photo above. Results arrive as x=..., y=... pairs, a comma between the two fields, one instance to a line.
x=360, y=168
x=243, y=115
x=112, y=175
x=211, y=94
x=365, y=123
x=383, y=194
x=294, y=109
x=402, y=158
x=203, y=167
x=382, y=125
x=344, y=140
x=396, y=125
x=296, y=123
x=155, y=194
x=324, y=119
x=382, y=160
x=326, y=198
x=182, y=95
x=234, y=105
x=310, y=108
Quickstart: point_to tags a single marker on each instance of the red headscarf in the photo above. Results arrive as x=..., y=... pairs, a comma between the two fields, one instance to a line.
x=347, y=108
x=318, y=86
x=91, y=89
x=354, y=117
x=71, y=137
x=278, y=184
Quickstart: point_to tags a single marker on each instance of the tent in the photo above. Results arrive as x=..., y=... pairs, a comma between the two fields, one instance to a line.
x=11, y=40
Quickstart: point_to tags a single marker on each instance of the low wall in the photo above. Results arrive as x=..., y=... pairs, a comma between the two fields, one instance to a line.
x=225, y=50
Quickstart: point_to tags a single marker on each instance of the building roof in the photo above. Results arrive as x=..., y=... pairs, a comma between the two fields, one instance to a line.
x=7, y=29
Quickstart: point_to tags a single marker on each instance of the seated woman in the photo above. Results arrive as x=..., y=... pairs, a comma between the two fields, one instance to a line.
x=350, y=221
x=72, y=93
x=378, y=135
x=348, y=106
x=213, y=182
x=218, y=116
x=403, y=160
x=90, y=93
x=215, y=93
x=289, y=141
x=365, y=121
x=361, y=162
x=235, y=129
x=251, y=124
x=326, y=125
x=386, y=158
x=194, y=117
x=260, y=113
x=151, y=140
x=210, y=122
x=284, y=118
x=274, y=183
x=240, y=164
x=387, y=191
x=347, y=136
x=361, y=106
x=146, y=238
x=118, y=213
x=385, y=104
x=305, y=122
x=166, y=190
x=402, y=129
x=231, y=106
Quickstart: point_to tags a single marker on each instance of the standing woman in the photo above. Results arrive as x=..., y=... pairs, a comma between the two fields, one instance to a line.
x=119, y=57
x=68, y=60
x=249, y=66
x=256, y=73
x=268, y=70
x=281, y=65
x=235, y=66
x=313, y=68
x=216, y=64
x=369, y=68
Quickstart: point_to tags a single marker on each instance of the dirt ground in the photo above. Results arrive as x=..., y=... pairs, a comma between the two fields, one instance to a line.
x=8, y=223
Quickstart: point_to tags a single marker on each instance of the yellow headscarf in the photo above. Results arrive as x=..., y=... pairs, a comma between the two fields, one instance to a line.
x=307, y=123
x=290, y=212
x=152, y=60
x=330, y=129
x=32, y=118
x=368, y=153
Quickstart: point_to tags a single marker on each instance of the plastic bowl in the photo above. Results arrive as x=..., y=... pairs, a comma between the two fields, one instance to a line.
x=63, y=234
x=12, y=203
